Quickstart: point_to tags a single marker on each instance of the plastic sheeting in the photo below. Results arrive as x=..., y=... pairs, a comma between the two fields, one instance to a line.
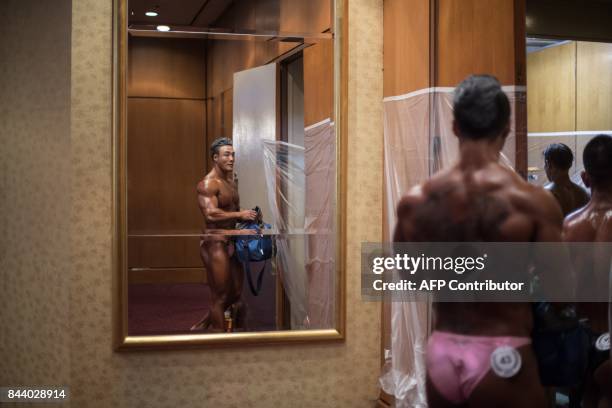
x=301, y=198
x=320, y=155
x=418, y=142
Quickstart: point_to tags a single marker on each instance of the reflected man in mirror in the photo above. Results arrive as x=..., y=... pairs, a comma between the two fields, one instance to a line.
x=593, y=223
x=220, y=205
x=479, y=199
x=558, y=159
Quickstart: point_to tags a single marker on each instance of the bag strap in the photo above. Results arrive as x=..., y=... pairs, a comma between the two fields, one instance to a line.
x=247, y=268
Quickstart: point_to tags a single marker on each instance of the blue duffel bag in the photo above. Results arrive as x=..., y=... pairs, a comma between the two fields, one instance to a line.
x=254, y=248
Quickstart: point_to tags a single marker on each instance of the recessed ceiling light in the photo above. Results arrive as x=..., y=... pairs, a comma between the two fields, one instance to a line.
x=151, y=14
x=163, y=28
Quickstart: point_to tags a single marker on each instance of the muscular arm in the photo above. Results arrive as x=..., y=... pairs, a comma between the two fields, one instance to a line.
x=208, y=202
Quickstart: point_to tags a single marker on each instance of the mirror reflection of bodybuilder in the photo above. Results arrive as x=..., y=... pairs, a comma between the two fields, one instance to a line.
x=220, y=205
x=558, y=159
x=593, y=223
x=478, y=199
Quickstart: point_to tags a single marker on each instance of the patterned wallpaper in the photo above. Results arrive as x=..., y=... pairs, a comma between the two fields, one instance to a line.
x=56, y=263
x=35, y=274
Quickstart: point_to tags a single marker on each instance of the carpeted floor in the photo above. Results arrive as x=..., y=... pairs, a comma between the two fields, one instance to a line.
x=165, y=308
x=174, y=308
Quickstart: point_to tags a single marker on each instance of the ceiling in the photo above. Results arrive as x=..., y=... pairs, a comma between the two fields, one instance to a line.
x=197, y=13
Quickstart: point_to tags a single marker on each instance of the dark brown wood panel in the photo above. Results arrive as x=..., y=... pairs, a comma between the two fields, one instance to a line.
x=210, y=129
x=240, y=16
x=171, y=276
x=318, y=82
x=166, y=67
x=164, y=252
x=475, y=37
x=227, y=113
x=406, y=46
x=166, y=159
x=299, y=16
x=225, y=57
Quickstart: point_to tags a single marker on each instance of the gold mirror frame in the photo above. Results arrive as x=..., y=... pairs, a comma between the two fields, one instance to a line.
x=122, y=341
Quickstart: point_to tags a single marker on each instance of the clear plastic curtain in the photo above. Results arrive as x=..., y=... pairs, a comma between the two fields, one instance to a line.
x=418, y=142
x=301, y=197
x=320, y=155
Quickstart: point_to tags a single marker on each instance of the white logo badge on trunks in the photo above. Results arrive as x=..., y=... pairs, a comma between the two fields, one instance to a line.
x=506, y=361
x=603, y=342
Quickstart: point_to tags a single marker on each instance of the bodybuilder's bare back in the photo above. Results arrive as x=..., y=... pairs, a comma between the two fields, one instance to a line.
x=570, y=196
x=485, y=203
x=592, y=223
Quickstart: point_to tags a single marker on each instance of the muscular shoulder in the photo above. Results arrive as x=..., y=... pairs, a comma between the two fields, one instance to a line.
x=576, y=228
x=589, y=224
x=404, y=229
x=208, y=186
x=410, y=200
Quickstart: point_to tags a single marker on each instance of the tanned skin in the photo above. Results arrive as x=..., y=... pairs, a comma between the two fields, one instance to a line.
x=569, y=195
x=478, y=199
x=220, y=205
x=593, y=223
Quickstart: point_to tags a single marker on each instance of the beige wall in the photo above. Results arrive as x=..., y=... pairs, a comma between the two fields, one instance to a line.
x=35, y=179
x=57, y=305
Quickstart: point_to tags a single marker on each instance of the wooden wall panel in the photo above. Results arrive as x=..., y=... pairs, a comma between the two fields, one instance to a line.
x=299, y=16
x=551, y=88
x=164, y=252
x=166, y=159
x=594, y=86
x=318, y=82
x=227, y=112
x=164, y=67
x=406, y=46
x=167, y=276
x=224, y=58
x=475, y=37
x=210, y=129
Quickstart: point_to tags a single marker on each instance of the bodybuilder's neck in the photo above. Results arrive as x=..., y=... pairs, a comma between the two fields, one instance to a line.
x=477, y=153
x=225, y=175
x=562, y=179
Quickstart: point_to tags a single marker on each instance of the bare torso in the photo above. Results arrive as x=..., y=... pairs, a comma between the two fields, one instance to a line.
x=486, y=202
x=226, y=193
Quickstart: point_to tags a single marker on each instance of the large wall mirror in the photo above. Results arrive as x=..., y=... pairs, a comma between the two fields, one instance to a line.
x=227, y=157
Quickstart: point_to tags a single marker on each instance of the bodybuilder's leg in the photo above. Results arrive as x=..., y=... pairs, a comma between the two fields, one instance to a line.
x=435, y=399
x=220, y=282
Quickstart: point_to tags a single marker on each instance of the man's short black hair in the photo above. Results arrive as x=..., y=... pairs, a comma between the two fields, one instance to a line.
x=480, y=107
x=559, y=155
x=218, y=143
x=597, y=158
